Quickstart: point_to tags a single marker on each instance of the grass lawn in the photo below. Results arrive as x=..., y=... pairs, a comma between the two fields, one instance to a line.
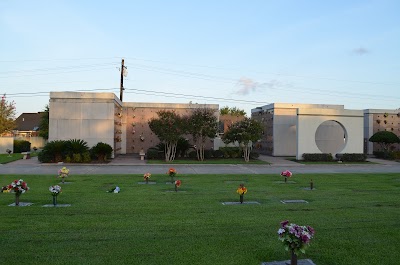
x=356, y=218
x=5, y=158
x=208, y=161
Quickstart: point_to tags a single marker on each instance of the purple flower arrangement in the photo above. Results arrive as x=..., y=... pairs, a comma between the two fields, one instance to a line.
x=295, y=238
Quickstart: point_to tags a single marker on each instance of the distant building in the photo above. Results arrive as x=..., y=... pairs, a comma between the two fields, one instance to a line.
x=102, y=117
x=294, y=129
x=27, y=124
x=376, y=120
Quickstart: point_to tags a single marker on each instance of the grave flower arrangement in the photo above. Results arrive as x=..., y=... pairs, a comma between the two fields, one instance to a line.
x=18, y=187
x=8, y=152
x=177, y=184
x=242, y=190
x=172, y=173
x=55, y=190
x=146, y=177
x=63, y=173
x=286, y=174
x=295, y=238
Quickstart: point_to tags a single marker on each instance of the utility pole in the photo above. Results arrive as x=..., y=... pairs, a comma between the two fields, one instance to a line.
x=121, y=88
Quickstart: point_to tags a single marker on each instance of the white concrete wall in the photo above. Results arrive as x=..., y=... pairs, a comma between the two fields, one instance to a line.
x=284, y=132
x=86, y=116
x=308, y=121
x=6, y=143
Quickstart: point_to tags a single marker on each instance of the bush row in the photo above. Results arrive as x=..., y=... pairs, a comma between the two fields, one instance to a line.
x=352, y=157
x=223, y=152
x=74, y=151
x=392, y=155
x=21, y=146
x=317, y=157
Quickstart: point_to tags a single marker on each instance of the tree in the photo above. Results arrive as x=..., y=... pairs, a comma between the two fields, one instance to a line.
x=244, y=132
x=385, y=139
x=7, y=115
x=232, y=111
x=202, y=125
x=168, y=127
x=44, y=123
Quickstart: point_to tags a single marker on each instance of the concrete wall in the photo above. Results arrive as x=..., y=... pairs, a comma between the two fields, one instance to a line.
x=88, y=116
x=284, y=132
x=308, y=121
x=375, y=121
x=6, y=143
x=137, y=133
x=38, y=142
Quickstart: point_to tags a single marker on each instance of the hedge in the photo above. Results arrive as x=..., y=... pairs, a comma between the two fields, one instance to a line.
x=323, y=157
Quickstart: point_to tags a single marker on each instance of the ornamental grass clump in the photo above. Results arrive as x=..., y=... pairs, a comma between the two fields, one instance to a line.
x=242, y=190
x=295, y=238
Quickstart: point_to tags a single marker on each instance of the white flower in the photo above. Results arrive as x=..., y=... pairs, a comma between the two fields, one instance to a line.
x=281, y=231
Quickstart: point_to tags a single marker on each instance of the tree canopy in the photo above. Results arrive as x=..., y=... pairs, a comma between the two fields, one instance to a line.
x=244, y=132
x=44, y=123
x=168, y=127
x=385, y=139
x=232, y=111
x=7, y=115
x=202, y=125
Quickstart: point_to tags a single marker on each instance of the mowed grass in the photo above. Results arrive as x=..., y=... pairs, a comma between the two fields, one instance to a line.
x=6, y=158
x=356, y=218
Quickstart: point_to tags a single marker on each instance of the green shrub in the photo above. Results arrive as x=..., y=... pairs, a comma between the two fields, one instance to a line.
x=152, y=153
x=76, y=158
x=101, y=151
x=353, y=157
x=21, y=146
x=231, y=152
x=254, y=155
x=45, y=157
x=192, y=154
x=76, y=146
x=218, y=154
x=182, y=147
x=67, y=159
x=208, y=154
x=86, y=157
x=53, y=151
x=317, y=157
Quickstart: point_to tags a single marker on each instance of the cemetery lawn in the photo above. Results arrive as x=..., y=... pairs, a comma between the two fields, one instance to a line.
x=5, y=158
x=356, y=218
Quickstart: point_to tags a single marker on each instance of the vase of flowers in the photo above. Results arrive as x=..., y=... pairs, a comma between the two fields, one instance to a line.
x=63, y=173
x=55, y=190
x=177, y=185
x=18, y=187
x=295, y=238
x=172, y=173
x=146, y=177
x=8, y=152
x=242, y=190
x=286, y=174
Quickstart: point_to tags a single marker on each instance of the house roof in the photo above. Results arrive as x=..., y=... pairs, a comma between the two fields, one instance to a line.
x=28, y=121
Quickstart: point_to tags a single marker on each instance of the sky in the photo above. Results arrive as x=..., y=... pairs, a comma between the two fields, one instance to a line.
x=235, y=53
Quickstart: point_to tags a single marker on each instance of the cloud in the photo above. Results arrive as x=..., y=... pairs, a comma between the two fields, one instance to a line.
x=247, y=85
x=361, y=51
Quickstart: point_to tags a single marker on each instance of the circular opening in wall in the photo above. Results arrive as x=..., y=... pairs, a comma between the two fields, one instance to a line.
x=331, y=137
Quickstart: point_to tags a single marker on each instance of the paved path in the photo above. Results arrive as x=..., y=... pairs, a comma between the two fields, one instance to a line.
x=133, y=165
